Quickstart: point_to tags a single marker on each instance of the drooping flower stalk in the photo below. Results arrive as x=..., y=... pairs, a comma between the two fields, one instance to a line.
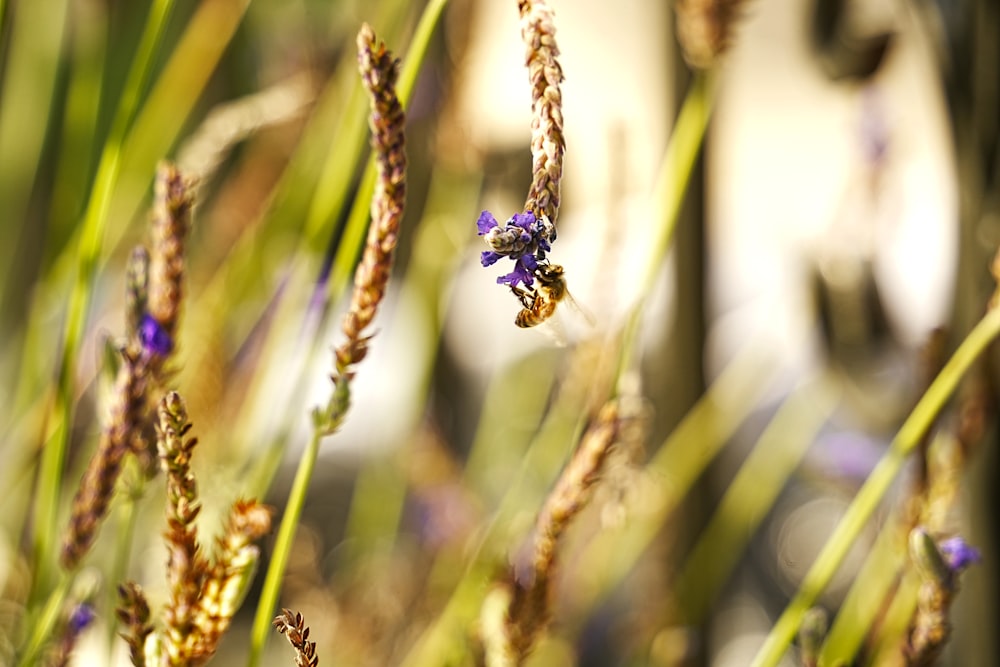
x=545, y=75
x=526, y=237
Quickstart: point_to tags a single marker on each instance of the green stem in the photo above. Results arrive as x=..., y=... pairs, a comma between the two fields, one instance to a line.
x=671, y=184
x=282, y=549
x=751, y=494
x=678, y=165
x=41, y=630
x=89, y=250
x=868, y=498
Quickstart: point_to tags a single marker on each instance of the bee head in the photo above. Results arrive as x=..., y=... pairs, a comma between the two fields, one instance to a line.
x=549, y=273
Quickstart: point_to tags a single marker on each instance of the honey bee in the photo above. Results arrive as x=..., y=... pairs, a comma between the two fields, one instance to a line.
x=539, y=304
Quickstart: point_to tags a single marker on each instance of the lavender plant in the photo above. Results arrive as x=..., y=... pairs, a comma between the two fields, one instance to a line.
x=511, y=546
x=153, y=308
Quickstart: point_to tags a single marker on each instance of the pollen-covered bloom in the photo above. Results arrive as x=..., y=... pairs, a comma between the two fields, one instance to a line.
x=523, y=238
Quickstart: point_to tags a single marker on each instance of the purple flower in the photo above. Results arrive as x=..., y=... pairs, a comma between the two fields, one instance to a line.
x=82, y=616
x=523, y=272
x=958, y=554
x=523, y=238
x=486, y=222
x=489, y=258
x=523, y=220
x=154, y=337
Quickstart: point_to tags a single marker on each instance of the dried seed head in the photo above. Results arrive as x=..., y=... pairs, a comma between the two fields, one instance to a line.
x=186, y=568
x=133, y=613
x=292, y=625
x=90, y=505
x=705, y=28
x=171, y=224
x=379, y=70
x=525, y=592
x=228, y=579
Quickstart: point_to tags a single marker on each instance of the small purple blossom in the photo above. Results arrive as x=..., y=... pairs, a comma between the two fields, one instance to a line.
x=486, y=222
x=523, y=238
x=489, y=258
x=958, y=554
x=154, y=337
x=524, y=271
x=82, y=616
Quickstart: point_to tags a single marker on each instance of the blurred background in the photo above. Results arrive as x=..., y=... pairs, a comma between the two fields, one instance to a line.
x=844, y=209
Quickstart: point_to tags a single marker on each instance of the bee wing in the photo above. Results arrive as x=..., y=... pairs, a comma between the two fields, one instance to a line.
x=561, y=322
x=575, y=305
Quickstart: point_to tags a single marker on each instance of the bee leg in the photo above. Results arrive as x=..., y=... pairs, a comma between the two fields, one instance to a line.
x=526, y=297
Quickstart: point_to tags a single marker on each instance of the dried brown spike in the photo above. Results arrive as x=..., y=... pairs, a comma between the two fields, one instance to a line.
x=133, y=613
x=379, y=70
x=525, y=592
x=292, y=625
x=705, y=27
x=90, y=505
x=186, y=568
x=171, y=224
